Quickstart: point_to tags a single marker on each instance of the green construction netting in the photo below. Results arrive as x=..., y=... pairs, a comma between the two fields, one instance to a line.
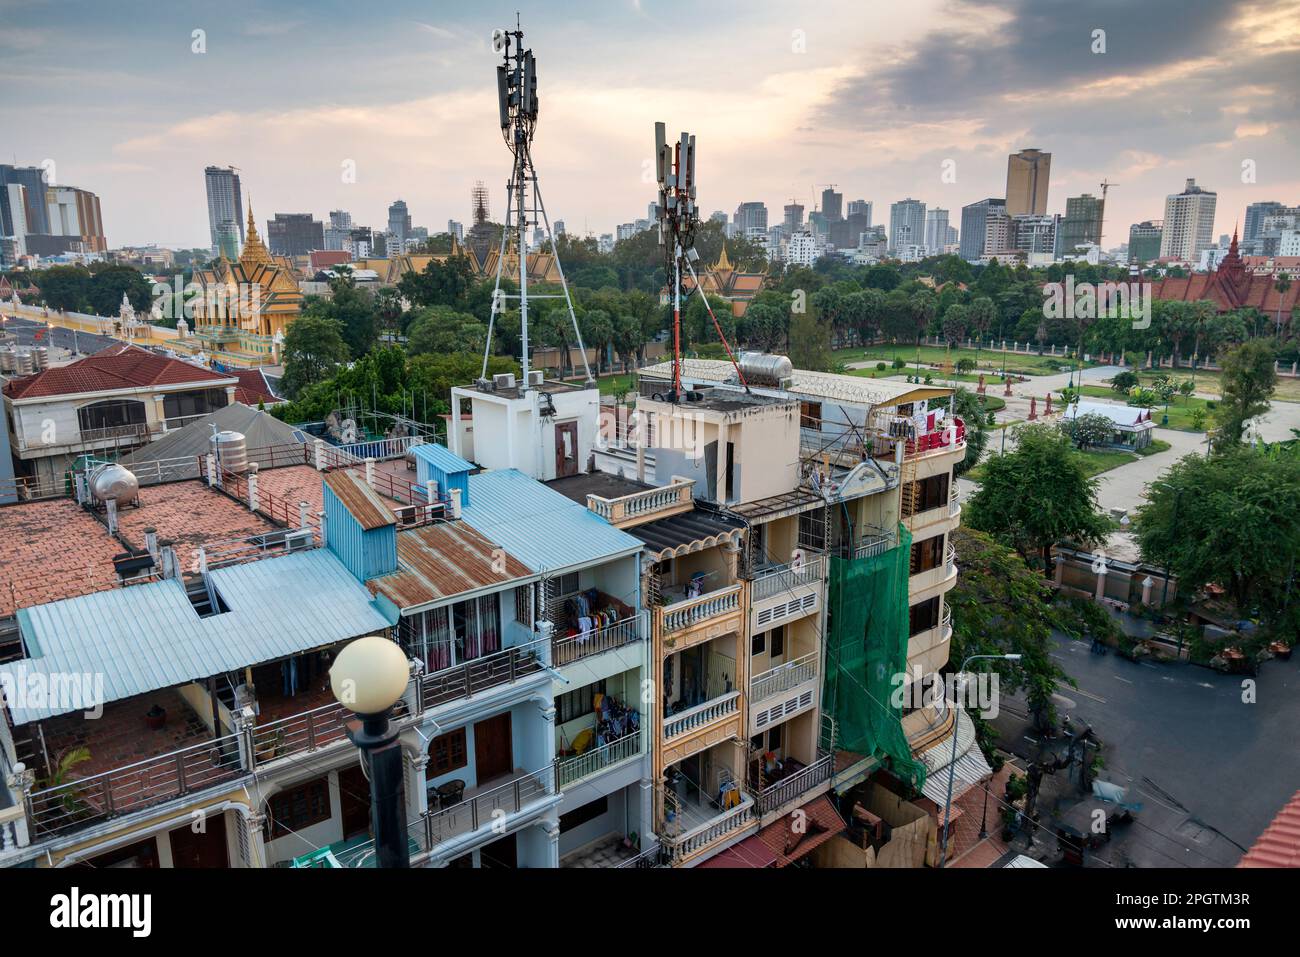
x=866, y=646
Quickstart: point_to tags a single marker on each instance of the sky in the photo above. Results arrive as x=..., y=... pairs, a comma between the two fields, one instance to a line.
x=879, y=99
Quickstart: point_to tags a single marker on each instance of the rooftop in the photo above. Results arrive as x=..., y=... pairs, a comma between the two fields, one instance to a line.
x=146, y=637
x=117, y=367
x=685, y=533
x=188, y=514
x=444, y=560
x=828, y=386
x=1279, y=845
x=605, y=484
x=51, y=550
x=546, y=530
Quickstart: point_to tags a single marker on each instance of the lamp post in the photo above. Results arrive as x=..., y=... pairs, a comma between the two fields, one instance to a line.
x=952, y=764
x=368, y=678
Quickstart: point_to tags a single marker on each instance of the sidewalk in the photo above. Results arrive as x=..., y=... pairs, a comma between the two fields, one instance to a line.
x=964, y=844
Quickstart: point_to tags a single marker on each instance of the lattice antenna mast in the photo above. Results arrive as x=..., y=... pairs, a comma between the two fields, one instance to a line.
x=678, y=218
x=517, y=101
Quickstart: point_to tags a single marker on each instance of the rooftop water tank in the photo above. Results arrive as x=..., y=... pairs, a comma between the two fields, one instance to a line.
x=231, y=451
x=760, y=368
x=115, y=483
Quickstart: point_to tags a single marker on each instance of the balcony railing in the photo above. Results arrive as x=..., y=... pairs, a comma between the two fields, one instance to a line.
x=945, y=622
x=683, y=846
x=692, y=611
x=638, y=504
x=769, y=582
x=480, y=674
x=783, y=677
x=569, y=771
x=651, y=857
x=780, y=793
x=299, y=733
x=86, y=801
x=485, y=808
x=701, y=714
x=565, y=651
x=874, y=542
x=950, y=559
x=954, y=504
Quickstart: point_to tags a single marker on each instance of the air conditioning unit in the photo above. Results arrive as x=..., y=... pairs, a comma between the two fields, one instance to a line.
x=534, y=377
x=503, y=380
x=298, y=539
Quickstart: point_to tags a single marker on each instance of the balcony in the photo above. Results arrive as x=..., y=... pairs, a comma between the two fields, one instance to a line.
x=481, y=674
x=569, y=771
x=565, y=651
x=928, y=649
x=680, y=848
x=782, y=678
x=702, y=715
x=484, y=806
x=942, y=574
x=644, y=506
x=786, y=592
x=794, y=786
x=940, y=513
x=699, y=619
x=897, y=429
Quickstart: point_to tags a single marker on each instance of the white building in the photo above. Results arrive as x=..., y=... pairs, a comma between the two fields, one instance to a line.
x=803, y=249
x=1189, y=223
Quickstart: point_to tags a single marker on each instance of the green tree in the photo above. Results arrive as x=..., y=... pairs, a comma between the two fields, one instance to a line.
x=999, y=606
x=1036, y=496
x=66, y=288
x=1122, y=382
x=107, y=286
x=313, y=348
x=1228, y=519
x=446, y=283
x=1249, y=378
x=441, y=329
x=1089, y=429
x=810, y=342
x=968, y=407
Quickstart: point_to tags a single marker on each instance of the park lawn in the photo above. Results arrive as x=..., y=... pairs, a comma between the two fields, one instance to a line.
x=1157, y=445
x=1019, y=363
x=1288, y=389
x=614, y=384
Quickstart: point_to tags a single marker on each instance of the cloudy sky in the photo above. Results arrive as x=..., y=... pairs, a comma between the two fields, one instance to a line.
x=871, y=96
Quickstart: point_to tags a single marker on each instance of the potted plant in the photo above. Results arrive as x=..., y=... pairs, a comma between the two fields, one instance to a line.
x=155, y=718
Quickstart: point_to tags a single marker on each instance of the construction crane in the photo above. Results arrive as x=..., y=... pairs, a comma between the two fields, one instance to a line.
x=1101, y=218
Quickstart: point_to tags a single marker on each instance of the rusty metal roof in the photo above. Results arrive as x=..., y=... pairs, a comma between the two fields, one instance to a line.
x=444, y=560
x=365, y=504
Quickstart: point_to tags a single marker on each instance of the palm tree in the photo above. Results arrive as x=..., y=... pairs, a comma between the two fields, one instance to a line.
x=1282, y=285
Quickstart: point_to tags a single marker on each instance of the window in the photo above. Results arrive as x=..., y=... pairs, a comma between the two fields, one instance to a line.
x=929, y=493
x=774, y=738
x=778, y=641
x=299, y=807
x=196, y=402
x=923, y=616
x=581, y=815
x=927, y=554
x=757, y=643
x=447, y=753
x=574, y=704
x=111, y=414
x=810, y=415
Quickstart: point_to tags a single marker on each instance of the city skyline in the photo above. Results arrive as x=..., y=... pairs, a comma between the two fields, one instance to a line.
x=882, y=132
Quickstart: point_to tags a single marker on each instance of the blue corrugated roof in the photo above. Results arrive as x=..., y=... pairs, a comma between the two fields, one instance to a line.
x=545, y=530
x=145, y=637
x=442, y=457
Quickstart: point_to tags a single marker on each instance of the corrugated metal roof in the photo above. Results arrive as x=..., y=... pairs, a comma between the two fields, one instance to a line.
x=145, y=637
x=441, y=561
x=259, y=429
x=689, y=531
x=547, y=531
x=442, y=457
x=363, y=502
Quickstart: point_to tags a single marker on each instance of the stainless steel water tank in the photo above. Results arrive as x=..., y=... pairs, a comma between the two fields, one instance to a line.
x=231, y=450
x=114, y=482
x=41, y=357
x=760, y=368
x=8, y=360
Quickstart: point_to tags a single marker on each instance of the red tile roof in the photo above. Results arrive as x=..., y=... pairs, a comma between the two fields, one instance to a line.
x=117, y=367
x=253, y=389
x=1231, y=286
x=1279, y=845
x=780, y=843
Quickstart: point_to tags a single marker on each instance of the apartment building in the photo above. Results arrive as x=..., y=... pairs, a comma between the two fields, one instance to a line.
x=837, y=482
x=117, y=399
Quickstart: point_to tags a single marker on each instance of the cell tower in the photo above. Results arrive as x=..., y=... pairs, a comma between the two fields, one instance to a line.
x=679, y=215
x=517, y=100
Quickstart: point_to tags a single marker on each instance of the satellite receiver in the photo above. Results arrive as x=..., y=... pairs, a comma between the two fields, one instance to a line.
x=517, y=111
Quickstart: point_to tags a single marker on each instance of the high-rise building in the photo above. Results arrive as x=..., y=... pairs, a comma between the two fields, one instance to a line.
x=1144, y=241
x=1255, y=214
x=458, y=229
x=832, y=205
x=1189, y=222
x=751, y=216
x=1081, y=224
x=294, y=234
x=1027, y=175
x=793, y=218
x=974, y=219
x=559, y=226
x=225, y=205
x=954, y=237
x=399, y=221
x=336, y=233
x=906, y=224
x=936, y=230
x=802, y=249
x=75, y=223
x=717, y=216
x=860, y=207
x=31, y=182
x=1034, y=234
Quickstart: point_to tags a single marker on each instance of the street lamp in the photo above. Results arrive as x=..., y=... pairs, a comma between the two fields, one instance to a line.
x=368, y=677
x=952, y=765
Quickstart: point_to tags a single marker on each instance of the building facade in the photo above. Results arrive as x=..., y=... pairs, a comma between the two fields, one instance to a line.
x=1028, y=175
x=1189, y=223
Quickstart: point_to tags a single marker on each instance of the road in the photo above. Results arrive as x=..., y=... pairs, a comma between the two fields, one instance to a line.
x=63, y=343
x=1210, y=770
